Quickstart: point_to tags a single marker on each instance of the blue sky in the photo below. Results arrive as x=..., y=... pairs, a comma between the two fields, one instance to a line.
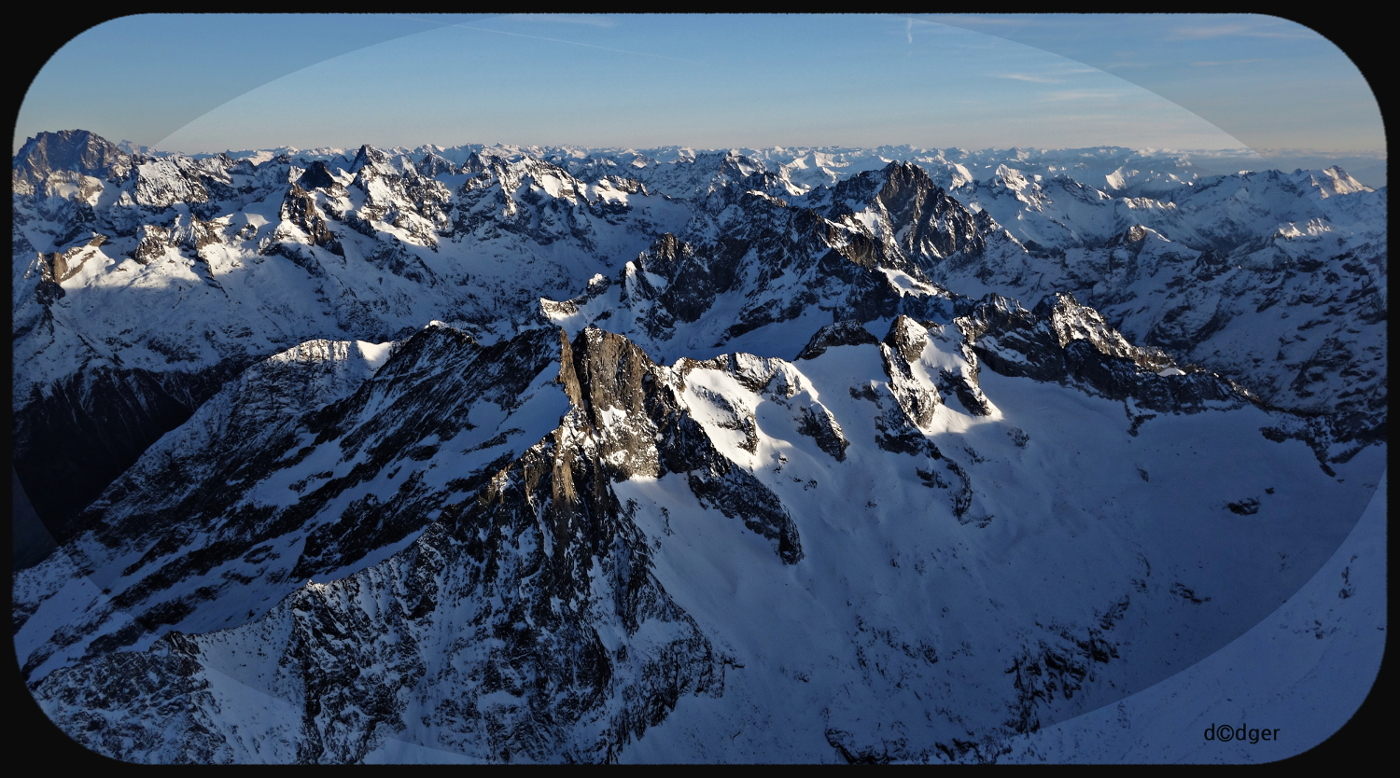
x=228, y=82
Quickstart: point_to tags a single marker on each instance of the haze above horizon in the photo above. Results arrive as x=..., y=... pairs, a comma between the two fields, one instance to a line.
x=215, y=82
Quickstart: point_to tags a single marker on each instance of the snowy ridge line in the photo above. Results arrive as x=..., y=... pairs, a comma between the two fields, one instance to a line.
x=716, y=392
x=504, y=454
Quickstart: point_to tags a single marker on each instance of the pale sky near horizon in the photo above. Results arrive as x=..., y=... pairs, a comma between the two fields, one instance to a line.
x=228, y=82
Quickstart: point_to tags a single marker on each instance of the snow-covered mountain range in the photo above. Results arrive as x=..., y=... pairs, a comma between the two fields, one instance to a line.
x=519, y=454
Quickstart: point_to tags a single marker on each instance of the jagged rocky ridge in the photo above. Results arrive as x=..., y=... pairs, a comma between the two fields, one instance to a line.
x=536, y=557
x=256, y=258
x=336, y=461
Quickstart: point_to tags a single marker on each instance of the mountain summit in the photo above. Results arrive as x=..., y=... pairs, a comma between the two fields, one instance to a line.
x=492, y=454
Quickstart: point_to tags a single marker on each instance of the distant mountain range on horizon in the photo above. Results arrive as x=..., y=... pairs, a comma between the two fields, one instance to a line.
x=1367, y=167
x=503, y=454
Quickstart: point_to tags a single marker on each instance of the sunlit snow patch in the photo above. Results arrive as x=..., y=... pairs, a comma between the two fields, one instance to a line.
x=375, y=354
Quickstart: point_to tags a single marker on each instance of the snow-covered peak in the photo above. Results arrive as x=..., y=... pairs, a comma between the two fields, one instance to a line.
x=544, y=454
x=1332, y=182
x=1011, y=178
x=78, y=151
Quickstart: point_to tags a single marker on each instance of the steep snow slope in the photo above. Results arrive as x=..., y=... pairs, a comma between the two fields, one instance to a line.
x=521, y=454
x=1303, y=671
x=930, y=557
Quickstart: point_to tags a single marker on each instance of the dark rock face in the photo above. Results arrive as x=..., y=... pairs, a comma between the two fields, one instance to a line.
x=918, y=218
x=1245, y=507
x=341, y=551
x=71, y=443
x=558, y=492
x=299, y=208
x=604, y=371
x=841, y=333
x=360, y=643
x=204, y=487
x=903, y=344
x=1064, y=342
x=1224, y=259
x=941, y=226
x=351, y=659
x=775, y=262
x=318, y=176
x=505, y=197
x=895, y=431
x=818, y=424
x=57, y=267
x=434, y=165
x=139, y=222
x=964, y=387
x=906, y=338
x=737, y=494
x=395, y=259
x=693, y=282
x=77, y=151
